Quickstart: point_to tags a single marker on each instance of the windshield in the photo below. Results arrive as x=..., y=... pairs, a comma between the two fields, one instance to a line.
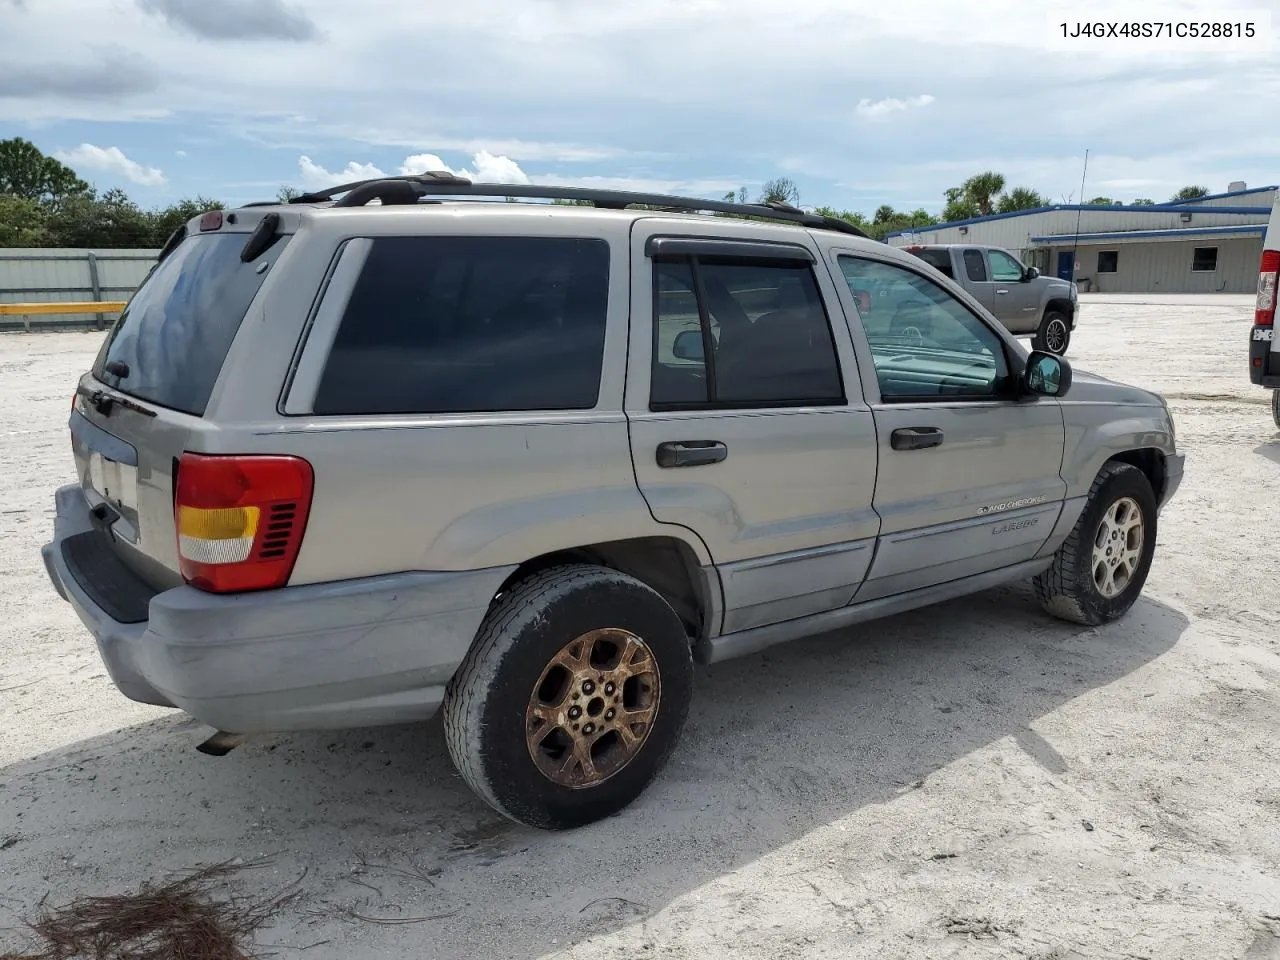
x=169, y=343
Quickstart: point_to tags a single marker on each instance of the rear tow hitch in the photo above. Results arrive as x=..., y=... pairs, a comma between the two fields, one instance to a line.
x=221, y=743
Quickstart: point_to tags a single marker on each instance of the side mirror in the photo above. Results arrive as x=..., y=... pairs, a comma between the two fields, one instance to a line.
x=1031, y=274
x=1046, y=375
x=688, y=346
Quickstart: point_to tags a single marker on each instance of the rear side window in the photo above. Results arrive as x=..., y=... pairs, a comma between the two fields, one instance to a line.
x=938, y=259
x=169, y=344
x=974, y=266
x=764, y=324
x=471, y=325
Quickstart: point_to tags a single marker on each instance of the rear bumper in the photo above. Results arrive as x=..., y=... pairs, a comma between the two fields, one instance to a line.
x=346, y=654
x=1264, y=362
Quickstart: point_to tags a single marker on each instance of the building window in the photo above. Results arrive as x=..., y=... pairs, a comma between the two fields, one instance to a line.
x=1108, y=261
x=1204, y=259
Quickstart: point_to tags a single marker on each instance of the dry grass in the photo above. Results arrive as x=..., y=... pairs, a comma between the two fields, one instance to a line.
x=194, y=917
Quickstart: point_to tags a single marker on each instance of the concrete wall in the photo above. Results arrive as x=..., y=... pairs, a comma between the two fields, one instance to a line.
x=43, y=275
x=1165, y=266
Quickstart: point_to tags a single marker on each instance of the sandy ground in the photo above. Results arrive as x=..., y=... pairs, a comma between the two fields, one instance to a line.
x=970, y=780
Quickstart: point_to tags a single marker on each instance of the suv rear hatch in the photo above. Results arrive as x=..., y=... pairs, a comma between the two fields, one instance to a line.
x=143, y=405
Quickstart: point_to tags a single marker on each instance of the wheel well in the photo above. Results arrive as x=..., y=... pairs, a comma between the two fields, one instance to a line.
x=1150, y=462
x=1059, y=306
x=665, y=564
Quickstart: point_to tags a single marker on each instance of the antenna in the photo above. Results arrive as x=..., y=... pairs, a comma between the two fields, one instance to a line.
x=1075, y=244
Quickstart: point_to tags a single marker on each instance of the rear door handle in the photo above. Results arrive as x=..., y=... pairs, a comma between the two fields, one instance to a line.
x=915, y=438
x=1002, y=291
x=691, y=453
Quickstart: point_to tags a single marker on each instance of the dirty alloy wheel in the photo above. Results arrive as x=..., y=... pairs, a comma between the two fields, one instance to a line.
x=1099, y=571
x=1275, y=407
x=571, y=698
x=1054, y=335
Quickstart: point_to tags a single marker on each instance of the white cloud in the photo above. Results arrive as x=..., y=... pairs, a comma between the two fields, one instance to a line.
x=316, y=177
x=180, y=154
x=111, y=160
x=877, y=109
x=488, y=168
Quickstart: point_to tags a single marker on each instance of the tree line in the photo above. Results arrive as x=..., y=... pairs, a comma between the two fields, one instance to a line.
x=44, y=203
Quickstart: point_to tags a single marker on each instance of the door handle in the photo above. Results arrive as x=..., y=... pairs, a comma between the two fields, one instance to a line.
x=1002, y=291
x=915, y=438
x=691, y=453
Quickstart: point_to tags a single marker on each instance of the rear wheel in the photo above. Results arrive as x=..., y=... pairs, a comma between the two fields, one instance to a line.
x=572, y=697
x=1054, y=334
x=1100, y=569
x=1275, y=406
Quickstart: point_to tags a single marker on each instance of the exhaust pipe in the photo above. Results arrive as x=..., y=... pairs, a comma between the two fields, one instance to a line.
x=221, y=743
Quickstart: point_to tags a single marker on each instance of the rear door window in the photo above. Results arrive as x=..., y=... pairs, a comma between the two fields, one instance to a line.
x=974, y=266
x=938, y=259
x=471, y=325
x=169, y=344
x=766, y=327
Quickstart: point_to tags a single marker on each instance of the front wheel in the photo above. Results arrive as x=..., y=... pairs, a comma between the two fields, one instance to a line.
x=571, y=698
x=1102, y=566
x=1054, y=334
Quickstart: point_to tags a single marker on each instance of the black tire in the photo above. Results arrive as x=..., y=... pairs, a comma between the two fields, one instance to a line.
x=1054, y=334
x=1068, y=589
x=1275, y=407
x=485, y=706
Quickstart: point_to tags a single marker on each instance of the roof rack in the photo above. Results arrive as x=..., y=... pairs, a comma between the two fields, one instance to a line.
x=412, y=189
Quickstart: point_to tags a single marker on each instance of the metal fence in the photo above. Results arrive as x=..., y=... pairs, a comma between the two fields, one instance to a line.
x=44, y=275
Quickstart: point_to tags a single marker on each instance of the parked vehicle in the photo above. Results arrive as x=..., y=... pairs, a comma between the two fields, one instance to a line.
x=1264, y=350
x=345, y=464
x=1021, y=299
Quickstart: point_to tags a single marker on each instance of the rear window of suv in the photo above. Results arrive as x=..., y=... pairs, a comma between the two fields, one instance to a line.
x=471, y=325
x=171, y=340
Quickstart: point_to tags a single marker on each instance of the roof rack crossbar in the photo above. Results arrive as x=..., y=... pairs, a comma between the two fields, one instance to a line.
x=446, y=184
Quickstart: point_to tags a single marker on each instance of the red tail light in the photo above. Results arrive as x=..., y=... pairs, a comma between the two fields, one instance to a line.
x=240, y=519
x=1268, y=277
x=211, y=220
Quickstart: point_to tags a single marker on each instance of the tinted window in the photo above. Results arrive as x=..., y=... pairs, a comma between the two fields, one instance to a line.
x=175, y=333
x=974, y=266
x=770, y=340
x=925, y=343
x=1204, y=259
x=471, y=325
x=1004, y=268
x=1108, y=261
x=938, y=259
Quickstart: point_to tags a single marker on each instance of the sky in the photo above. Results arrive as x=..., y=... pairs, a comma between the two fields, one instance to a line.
x=860, y=103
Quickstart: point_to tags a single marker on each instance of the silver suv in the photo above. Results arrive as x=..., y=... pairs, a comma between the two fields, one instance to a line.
x=345, y=464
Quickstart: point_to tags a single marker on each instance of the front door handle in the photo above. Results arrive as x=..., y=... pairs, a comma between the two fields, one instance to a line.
x=915, y=438
x=691, y=453
x=1002, y=291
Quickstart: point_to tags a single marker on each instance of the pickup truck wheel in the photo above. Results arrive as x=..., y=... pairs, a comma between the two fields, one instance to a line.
x=1275, y=406
x=1054, y=335
x=571, y=698
x=1100, y=569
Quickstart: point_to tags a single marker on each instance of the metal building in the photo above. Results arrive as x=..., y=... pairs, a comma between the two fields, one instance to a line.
x=1208, y=245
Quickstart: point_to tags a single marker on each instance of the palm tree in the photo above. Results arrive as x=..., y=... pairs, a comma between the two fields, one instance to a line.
x=982, y=188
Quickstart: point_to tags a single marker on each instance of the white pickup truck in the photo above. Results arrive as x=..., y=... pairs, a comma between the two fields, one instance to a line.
x=1264, y=352
x=1028, y=304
